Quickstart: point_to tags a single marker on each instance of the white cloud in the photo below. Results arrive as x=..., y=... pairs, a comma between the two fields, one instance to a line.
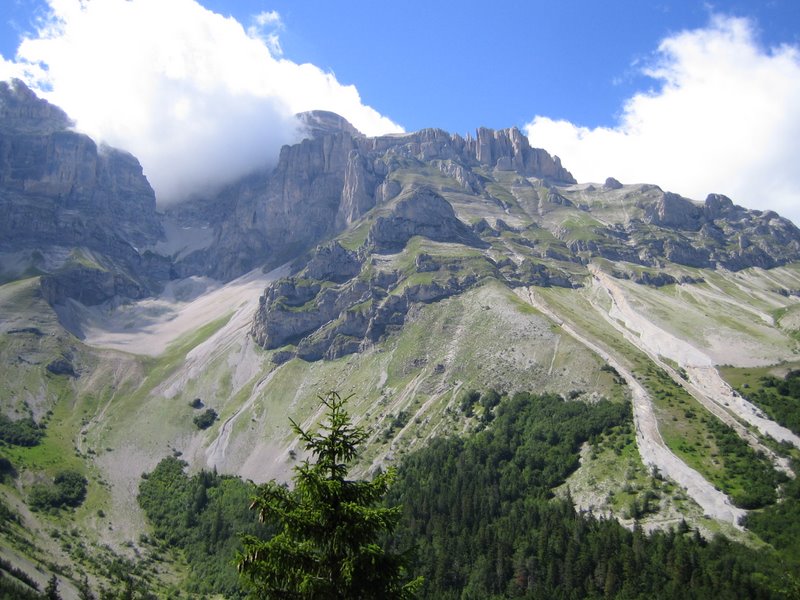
x=726, y=119
x=188, y=91
x=266, y=26
x=271, y=17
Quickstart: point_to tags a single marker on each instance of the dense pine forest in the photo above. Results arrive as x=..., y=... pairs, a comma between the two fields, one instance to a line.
x=480, y=515
x=202, y=515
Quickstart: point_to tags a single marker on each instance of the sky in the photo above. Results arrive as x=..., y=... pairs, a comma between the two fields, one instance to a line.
x=697, y=97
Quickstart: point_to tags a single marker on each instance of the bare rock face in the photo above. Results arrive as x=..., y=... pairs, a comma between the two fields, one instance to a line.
x=555, y=198
x=358, y=191
x=321, y=322
x=22, y=112
x=673, y=211
x=509, y=150
x=295, y=307
x=277, y=215
x=327, y=182
x=424, y=213
x=319, y=123
x=59, y=184
x=765, y=239
x=718, y=206
x=58, y=190
x=332, y=262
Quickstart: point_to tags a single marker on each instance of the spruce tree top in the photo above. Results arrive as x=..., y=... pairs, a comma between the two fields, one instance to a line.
x=328, y=527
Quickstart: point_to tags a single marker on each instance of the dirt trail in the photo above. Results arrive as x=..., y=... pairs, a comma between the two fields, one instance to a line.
x=652, y=448
x=704, y=382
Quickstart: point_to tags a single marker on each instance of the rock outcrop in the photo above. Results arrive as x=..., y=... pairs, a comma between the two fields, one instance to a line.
x=319, y=123
x=423, y=212
x=316, y=321
x=58, y=185
x=278, y=214
x=332, y=262
x=325, y=183
x=59, y=190
x=509, y=150
x=86, y=216
x=673, y=212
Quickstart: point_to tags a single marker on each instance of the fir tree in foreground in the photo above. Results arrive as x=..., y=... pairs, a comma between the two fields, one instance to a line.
x=329, y=526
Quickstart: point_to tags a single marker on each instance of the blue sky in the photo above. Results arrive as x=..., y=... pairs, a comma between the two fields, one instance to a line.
x=697, y=97
x=460, y=65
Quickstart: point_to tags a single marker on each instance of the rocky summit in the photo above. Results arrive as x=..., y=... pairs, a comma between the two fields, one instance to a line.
x=433, y=276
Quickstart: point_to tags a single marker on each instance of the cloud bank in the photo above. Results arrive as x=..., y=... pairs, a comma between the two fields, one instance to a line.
x=725, y=118
x=196, y=96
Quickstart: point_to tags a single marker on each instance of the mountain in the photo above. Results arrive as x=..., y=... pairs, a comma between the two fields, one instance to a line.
x=408, y=270
x=329, y=181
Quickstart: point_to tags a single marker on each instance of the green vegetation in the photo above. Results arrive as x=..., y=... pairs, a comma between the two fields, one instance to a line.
x=708, y=445
x=81, y=257
x=7, y=516
x=7, y=470
x=202, y=516
x=329, y=527
x=748, y=474
x=20, y=432
x=580, y=227
x=68, y=488
x=779, y=524
x=499, y=192
x=616, y=481
x=481, y=515
x=480, y=511
x=779, y=398
x=205, y=419
x=7, y=586
x=467, y=401
x=10, y=589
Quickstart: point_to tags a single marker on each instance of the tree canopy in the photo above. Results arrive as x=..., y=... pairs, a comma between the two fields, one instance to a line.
x=329, y=527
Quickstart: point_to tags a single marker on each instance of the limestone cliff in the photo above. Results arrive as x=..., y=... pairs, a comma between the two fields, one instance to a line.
x=60, y=191
x=328, y=181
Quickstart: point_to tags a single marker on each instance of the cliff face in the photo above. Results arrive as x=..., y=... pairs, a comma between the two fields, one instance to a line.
x=59, y=185
x=69, y=205
x=330, y=180
x=59, y=190
x=275, y=216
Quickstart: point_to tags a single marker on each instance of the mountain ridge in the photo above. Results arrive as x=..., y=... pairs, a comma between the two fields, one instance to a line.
x=407, y=269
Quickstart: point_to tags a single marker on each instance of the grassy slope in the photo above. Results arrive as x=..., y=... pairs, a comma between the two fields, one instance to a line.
x=127, y=412
x=683, y=422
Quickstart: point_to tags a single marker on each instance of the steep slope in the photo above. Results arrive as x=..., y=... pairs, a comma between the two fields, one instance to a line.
x=568, y=242
x=407, y=270
x=73, y=211
x=327, y=182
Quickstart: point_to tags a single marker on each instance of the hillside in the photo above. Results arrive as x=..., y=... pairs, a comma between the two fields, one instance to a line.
x=407, y=270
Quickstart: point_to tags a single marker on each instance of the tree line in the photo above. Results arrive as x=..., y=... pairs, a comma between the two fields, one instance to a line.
x=477, y=511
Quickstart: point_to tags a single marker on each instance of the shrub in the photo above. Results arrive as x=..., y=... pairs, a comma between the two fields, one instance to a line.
x=468, y=400
x=205, y=419
x=22, y=432
x=68, y=488
x=6, y=469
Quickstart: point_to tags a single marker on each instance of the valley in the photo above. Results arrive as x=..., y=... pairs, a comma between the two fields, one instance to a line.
x=417, y=273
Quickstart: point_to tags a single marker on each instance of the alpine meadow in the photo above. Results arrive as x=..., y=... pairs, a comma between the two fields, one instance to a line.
x=407, y=365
